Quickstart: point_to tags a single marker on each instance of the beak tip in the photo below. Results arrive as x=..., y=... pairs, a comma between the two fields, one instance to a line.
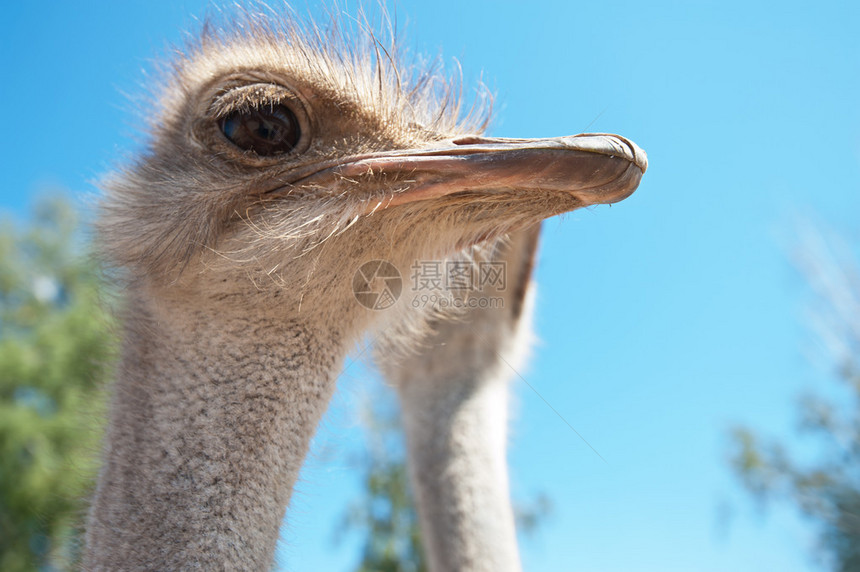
x=640, y=158
x=611, y=144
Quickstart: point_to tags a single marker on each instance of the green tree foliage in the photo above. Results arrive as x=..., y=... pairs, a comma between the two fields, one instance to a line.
x=386, y=514
x=55, y=344
x=826, y=489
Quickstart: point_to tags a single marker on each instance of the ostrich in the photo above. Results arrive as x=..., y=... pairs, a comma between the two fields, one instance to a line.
x=280, y=159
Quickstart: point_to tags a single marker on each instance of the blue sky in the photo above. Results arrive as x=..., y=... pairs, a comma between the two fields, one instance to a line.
x=663, y=320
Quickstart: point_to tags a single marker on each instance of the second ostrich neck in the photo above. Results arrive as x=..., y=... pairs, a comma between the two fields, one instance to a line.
x=215, y=410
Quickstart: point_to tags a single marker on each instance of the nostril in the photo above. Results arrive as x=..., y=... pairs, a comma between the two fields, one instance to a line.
x=469, y=140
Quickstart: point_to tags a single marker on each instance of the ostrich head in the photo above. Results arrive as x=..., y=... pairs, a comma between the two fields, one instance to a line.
x=278, y=157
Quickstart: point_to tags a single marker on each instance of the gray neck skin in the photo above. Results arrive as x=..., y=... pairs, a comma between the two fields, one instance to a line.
x=454, y=395
x=211, y=419
x=456, y=430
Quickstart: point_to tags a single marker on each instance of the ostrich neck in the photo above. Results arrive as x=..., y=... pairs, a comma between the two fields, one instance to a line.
x=211, y=418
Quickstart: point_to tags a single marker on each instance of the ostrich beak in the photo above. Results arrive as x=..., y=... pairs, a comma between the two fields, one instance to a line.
x=594, y=168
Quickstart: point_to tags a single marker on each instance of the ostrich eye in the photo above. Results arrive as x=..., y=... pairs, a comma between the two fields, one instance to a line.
x=267, y=131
